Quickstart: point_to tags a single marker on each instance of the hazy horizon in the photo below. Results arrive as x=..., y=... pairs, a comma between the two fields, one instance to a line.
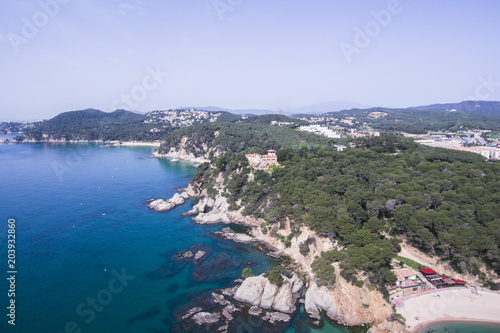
x=64, y=55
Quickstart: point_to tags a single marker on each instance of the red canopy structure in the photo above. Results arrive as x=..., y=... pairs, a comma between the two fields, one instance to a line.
x=427, y=271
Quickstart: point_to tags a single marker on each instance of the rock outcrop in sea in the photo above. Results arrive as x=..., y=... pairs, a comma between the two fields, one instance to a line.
x=161, y=205
x=259, y=291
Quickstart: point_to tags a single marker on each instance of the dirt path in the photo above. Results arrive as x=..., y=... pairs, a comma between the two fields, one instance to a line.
x=412, y=253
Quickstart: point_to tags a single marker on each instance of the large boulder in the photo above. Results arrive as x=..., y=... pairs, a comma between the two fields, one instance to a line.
x=161, y=205
x=346, y=303
x=259, y=291
x=199, y=255
x=250, y=291
x=268, y=295
x=177, y=199
x=206, y=318
x=212, y=218
x=274, y=317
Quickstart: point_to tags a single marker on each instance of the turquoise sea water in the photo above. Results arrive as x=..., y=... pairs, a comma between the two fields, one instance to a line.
x=90, y=256
x=462, y=327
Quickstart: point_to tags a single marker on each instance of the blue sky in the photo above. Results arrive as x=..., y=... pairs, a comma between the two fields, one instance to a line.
x=61, y=55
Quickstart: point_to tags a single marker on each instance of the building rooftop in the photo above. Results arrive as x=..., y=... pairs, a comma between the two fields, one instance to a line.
x=428, y=271
x=403, y=274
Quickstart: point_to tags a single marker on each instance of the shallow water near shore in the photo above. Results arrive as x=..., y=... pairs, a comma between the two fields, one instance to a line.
x=91, y=256
x=461, y=327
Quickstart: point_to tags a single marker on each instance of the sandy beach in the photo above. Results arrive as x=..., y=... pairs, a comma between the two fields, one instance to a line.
x=457, y=304
x=133, y=143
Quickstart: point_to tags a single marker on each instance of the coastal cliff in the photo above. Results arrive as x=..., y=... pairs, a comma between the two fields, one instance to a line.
x=184, y=149
x=345, y=303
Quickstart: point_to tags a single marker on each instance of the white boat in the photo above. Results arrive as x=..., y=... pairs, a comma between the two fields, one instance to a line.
x=174, y=160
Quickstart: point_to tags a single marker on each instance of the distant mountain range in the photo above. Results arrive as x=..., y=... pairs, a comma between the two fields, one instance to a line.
x=235, y=111
x=330, y=106
x=489, y=108
x=310, y=109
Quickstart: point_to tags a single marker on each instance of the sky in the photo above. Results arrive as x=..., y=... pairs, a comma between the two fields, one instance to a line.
x=63, y=55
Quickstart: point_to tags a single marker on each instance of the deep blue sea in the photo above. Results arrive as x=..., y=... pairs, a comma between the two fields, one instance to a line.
x=90, y=256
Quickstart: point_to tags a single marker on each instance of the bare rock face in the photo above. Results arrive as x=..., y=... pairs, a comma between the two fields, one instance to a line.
x=273, y=317
x=258, y=291
x=347, y=303
x=212, y=218
x=206, y=318
x=251, y=290
x=161, y=205
x=254, y=311
x=191, y=312
x=229, y=234
x=199, y=255
x=218, y=207
x=268, y=295
x=177, y=199
x=387, y=327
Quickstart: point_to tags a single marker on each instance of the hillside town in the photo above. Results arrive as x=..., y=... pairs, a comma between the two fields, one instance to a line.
x=181, y=117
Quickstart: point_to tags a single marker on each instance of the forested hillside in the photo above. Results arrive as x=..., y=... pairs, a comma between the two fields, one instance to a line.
x=421, y=121
x=367, y=198
x=91, y=124
x=236, y=137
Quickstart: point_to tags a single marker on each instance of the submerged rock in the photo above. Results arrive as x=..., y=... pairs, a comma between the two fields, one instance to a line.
x=173, y=287
x=215, y=267
x=229, y=292
x=191, y=312
x=274, y=317
x=220, y=299
x=146, y=315
x=188, y=254
x=254, y=310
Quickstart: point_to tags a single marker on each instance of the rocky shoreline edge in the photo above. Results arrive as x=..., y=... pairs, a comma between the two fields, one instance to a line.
x=272, y=304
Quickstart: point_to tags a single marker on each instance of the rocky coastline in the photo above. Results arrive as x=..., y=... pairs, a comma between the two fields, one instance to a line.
x=256, y=296
x=180, y=155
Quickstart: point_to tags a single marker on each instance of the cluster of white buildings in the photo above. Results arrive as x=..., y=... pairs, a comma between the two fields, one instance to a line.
x=353, y=132
x=181, y=118
x=459, y=141
x=321, y=130
x=319, y=119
